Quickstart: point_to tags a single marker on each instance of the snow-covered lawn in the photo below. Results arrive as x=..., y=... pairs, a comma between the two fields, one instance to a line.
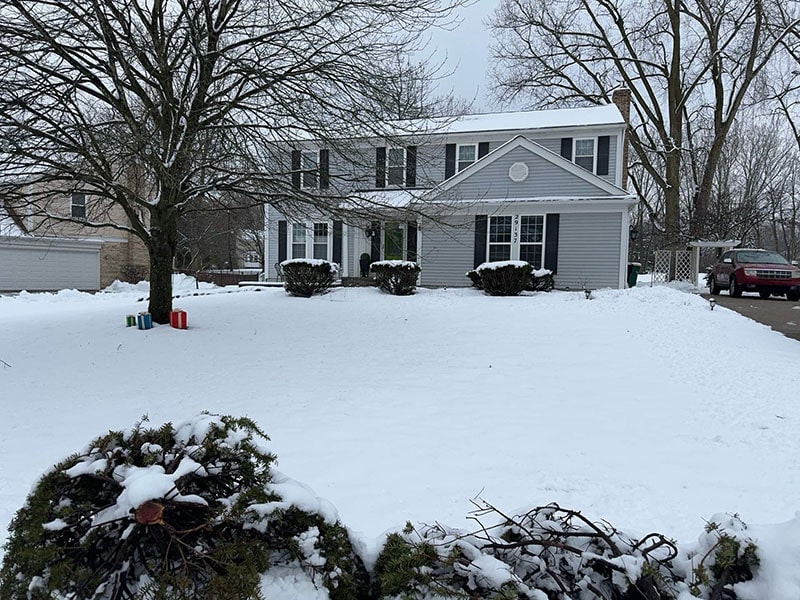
x=643, y=407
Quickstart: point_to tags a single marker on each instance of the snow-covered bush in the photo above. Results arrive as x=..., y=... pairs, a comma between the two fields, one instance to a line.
x=542, y=281
x=475, y=278
x=505, y=278
x=305, y=277
x=552, y=553
x=193, y=511
x=397, y=277
x=724, y=556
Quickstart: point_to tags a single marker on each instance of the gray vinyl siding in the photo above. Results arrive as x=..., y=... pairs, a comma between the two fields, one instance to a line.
x=273, y=216
x=448, y=251
x=545, y=179
x=554, y=145
x=589, y=250
x=48, y=264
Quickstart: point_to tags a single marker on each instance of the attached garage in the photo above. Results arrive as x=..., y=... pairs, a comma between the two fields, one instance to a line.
x=41, y=263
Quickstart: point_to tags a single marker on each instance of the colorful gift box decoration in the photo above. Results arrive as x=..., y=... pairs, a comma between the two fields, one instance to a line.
x=144, y=321
x=130, y=321
x=177, y=319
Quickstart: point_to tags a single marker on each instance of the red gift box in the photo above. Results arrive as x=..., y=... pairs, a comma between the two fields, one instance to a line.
x=177, y=319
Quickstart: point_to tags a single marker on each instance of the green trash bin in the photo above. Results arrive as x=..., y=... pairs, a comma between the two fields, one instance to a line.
x=633, y=273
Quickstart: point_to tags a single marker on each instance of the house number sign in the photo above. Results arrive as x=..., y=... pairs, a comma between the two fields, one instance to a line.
x=515, y=230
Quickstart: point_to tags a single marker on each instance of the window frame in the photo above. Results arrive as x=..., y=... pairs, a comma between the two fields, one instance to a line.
x=474, y=147
x=78, y=205
x=575, y=155
x=310, y=244
x=402, y=166
x=497, y=244
x=515, y=242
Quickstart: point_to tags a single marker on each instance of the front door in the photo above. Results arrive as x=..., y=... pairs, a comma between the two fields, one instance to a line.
x=393, y=240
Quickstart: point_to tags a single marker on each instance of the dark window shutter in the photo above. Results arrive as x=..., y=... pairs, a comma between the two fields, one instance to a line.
x=483, y=149
x=566, y=148
x=411, y=241
x=481, y=231
x=603, y=143
x=411, y=166
x=375, y=246
x=324, y=169
x=551, y=241
x=337, y=242
x=296, y=169
x=380, y=167
x=281, y=241
x=449, y=160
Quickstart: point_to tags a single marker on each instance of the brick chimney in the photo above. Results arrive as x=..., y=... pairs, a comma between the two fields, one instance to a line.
x=622, y=98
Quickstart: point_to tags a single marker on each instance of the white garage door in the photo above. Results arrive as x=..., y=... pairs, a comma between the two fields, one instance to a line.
x=28, y=263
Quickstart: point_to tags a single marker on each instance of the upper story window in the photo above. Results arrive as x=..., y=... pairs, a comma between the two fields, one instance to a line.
x=78, y=205
x=309, y=165
x=584, y=153
x=467, y=154
x=396, y=166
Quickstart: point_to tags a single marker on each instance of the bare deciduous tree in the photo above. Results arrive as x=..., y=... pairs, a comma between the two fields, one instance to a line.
x=681, y=60
x=149, y=104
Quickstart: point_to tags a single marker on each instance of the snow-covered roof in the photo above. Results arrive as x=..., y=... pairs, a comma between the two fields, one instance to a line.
x=394, y=198
x=536, y=119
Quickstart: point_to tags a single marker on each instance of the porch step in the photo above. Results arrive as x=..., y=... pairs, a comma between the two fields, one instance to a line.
x=358, y=282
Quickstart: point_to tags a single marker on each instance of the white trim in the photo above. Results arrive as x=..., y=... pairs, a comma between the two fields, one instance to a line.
x=345, y=266
x=624, y=249
x=595, y=145
x=620, y=157
x=266, y=244
x=458, y=153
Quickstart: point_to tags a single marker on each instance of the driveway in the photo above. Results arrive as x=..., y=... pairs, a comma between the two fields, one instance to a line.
x=778, y=313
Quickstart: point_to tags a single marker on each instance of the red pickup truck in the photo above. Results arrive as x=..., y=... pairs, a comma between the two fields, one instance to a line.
x=749, y=270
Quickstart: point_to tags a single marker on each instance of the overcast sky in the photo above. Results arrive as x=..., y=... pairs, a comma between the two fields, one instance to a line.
x=466, y=50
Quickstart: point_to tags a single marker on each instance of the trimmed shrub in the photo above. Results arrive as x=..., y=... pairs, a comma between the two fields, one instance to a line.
x=505, y=278
x=542, y=281
x=397, y=277
x=305, y=277
x=193, y=511
x=475, y=278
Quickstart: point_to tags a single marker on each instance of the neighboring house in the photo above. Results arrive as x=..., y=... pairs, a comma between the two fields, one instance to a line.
x=43, y=253
x=547, y=187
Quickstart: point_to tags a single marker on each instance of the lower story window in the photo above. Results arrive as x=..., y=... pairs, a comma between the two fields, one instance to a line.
x=531, y=240
x=499, y=238
x=298, y=240
x=321, y=240
x=517, y=238
x=311, y=240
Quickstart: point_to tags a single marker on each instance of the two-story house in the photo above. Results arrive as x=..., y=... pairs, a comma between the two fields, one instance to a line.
x=547, y=187
x=53, y=246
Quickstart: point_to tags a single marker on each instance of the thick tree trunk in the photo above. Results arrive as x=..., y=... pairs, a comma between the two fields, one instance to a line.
x=162, y=246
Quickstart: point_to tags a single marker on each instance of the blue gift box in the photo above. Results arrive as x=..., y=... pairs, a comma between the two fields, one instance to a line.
x=144, y=321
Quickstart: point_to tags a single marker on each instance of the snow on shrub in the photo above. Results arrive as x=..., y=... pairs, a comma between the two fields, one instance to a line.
x=193, y=511
x=397, y=277
x=541, y=280
x=305, y=277
x=552, y=553
x=505, y=278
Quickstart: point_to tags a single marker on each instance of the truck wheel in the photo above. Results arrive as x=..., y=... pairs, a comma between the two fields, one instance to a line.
x=735, y=290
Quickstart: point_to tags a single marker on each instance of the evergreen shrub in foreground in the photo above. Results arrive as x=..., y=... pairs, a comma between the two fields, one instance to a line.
x=396, y=277
x=193, y=511
x=305, y=277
